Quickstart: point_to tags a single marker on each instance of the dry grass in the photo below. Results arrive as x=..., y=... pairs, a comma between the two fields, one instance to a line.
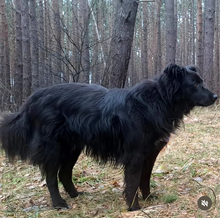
x=187, y=169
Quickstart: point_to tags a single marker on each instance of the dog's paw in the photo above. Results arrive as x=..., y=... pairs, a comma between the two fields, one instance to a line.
x=134, y=208
x=61, y=205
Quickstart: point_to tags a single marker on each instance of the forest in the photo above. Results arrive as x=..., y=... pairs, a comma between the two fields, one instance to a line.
x=112, y=43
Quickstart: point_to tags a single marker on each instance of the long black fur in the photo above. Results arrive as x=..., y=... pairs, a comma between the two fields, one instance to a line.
x=122, y=126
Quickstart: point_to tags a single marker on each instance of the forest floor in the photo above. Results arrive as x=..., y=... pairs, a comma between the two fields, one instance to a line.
x=188, y=168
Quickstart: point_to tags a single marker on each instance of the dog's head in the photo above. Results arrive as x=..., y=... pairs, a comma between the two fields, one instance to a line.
x=184, y=83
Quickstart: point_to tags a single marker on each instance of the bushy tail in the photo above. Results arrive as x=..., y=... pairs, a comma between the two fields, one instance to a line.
x=15, y=133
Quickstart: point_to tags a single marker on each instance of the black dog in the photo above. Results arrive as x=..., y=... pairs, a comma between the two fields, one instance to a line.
x=128, y=127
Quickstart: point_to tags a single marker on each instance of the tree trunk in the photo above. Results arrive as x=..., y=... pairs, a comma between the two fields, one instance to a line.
x=48, y=15
x=187, y=36
x=216, y=58
x=158, y=55
x=144, y=41
x=6, y=61
x=182, y=34
x=120, y=48
x=84, y=34
x=18, y=75
x=68, y=50
x=209, y=42
x=26, y=54
x=199, y=47
x=76, y=42
x=96, y=58
x=56, y=64
x=2, y=54
x=34, y=46
x=170, y=32
x=41, y=36
x=193, y=32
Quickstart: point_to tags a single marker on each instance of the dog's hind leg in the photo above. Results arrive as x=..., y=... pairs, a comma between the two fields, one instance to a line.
x=52, y=184
x=65, y=174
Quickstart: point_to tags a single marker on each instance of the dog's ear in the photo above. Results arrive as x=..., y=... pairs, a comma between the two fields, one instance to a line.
x=171, y=80
x=191, y=69
x=174, y=72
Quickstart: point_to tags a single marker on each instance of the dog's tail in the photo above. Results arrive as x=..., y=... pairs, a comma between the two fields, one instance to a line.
x=15, y=133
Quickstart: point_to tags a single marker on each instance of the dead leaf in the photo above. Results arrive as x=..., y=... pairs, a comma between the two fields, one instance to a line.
x=115, y=184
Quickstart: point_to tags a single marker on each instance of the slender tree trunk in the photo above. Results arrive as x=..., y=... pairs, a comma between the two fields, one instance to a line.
x=105, y=25
x=26, y=54
x=47, y=30
x=158, y=56
x=76, y=41
x=6, y=82
x=182, y=35
x=209, y=42
x=170, y=32
x=151, y=38
x=144, y=41
x=120, y=48
x=34, y=46
x=84, y=25
x=175, y=22
x=2, y=54
x=96, y=58
x=41, y=34
x=56, y=65
x=68, y=53
x=18, y=75
x=199, y=44
x=187, y=37
x=96, y=11
x=217, y=56
x=193, y=32
x=63, y=49
x=49, y=40
x=190, y=34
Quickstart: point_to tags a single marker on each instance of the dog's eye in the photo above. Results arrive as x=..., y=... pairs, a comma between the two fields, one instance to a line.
x=196, y=84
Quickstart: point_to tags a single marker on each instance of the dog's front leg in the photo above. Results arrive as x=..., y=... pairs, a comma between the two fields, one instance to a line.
x=146, y=174
x=132, y=173
x=148, y=166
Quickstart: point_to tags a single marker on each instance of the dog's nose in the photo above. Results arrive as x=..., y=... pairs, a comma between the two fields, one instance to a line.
x=215, y=97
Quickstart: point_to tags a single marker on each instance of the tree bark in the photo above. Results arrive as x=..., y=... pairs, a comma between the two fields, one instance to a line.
x=120, y=47
x=217, y=57
x=18, y=75
x=199, y=44
x=2, y=54
x=193, y=33
x=41, y=35
x=209, y=42
x=6, y=61
x=34, y=46
x=76, y=42
x=158, y=56
x=84, y=35
x=144, y=41
x=170, y=32
x=49, y=40
x=56, y=64
x=26, y=54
